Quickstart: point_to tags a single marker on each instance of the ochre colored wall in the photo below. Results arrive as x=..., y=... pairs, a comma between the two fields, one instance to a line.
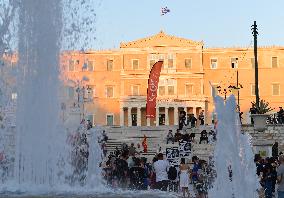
x=122, y=77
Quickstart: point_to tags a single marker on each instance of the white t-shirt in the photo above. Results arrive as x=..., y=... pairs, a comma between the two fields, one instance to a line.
x=161, y=167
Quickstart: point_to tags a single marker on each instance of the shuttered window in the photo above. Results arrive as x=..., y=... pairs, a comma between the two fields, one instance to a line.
x=274, y=62
x=275, y=89
x=187, y=63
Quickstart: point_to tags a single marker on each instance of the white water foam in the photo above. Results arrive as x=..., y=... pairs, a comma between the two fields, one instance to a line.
x=233, y=149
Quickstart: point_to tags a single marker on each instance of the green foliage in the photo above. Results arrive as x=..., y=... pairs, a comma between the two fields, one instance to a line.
x=263, y=107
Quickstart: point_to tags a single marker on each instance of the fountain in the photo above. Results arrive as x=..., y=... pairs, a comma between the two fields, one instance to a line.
x=233, y=152
x=42, y=159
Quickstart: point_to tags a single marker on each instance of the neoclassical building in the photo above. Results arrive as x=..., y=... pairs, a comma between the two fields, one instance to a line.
x=109, y=87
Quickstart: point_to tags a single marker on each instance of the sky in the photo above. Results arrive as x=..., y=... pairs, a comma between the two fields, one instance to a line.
x=219, y=23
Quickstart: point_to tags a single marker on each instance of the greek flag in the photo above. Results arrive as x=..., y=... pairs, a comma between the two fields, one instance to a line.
x=164, y=11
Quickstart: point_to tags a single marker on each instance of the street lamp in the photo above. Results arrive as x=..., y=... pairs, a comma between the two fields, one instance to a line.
x=255, y=33
x=80, y=90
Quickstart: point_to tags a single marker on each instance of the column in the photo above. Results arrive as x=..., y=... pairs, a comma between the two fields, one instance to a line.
x=175, y=115
x=157, y=116
x=121, y=117
x=167, y=116
x=129, y=116
x=138, y=116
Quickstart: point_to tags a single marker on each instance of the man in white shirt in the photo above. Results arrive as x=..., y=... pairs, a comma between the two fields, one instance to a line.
x=161, y=168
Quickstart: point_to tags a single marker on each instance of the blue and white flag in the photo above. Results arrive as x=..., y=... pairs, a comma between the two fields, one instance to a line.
x=164, y=11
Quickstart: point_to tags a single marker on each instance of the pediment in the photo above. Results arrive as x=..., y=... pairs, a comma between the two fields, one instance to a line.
x=161, y=40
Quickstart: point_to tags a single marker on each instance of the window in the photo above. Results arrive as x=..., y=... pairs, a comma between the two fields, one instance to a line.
x=90, y=65
x=252, y=63
x=109, y=65
x=71, y=92
x=14, y=96
x=71, y=66
x=171, y=90
x=188, y=90
x=274, y=62
x=109, y=120
x=213, y=63
x=109, y=92
x=275, y=89
x=135, y=64
x=162, y=90
x=135, y=90
x=234, y=63
x=170, y=61
x=91, y=118
x=187, y=63
x=253, y=90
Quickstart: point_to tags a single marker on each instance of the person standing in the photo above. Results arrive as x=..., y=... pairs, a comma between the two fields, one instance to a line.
x=182, y=120
x=170, y=137
x=121, y=167
x=201, y=117
x=161, y=168
x=173, y=179
x=280, y=114
x=280, y=177
x=136, y=175
x=132, y=150
x=193, y=121
x=184, y=177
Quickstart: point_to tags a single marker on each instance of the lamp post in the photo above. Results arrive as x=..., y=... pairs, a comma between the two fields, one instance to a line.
x=81, y=90
x=255, y=33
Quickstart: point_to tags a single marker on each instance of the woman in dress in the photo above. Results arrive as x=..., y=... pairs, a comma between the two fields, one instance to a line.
x=184, y=177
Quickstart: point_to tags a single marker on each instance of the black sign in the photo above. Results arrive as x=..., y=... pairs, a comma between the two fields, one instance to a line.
x=184, y=149
x=172, y=153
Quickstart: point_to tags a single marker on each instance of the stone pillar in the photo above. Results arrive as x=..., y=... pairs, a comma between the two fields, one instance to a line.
x=129, y=116
x=121, y=117
x=157, y=116
x=167, y=116
x=175, y=115
x=138, y=116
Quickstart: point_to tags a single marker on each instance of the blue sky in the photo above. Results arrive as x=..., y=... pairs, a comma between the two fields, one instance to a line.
x=218, y=23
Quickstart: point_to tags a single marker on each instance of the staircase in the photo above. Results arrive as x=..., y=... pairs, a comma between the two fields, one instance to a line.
x=156, y=137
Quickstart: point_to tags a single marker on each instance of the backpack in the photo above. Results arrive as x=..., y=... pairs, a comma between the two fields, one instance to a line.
x=172, y=174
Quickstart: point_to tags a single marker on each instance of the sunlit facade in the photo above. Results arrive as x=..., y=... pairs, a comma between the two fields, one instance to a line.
x=114, y=82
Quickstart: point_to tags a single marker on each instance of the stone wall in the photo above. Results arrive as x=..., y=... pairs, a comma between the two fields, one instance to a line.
x=273, y=133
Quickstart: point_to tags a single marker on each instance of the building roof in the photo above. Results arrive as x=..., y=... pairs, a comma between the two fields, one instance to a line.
x=161, y=40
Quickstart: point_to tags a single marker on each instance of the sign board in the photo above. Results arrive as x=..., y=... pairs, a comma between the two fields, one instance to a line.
x=172, y=155
x=184, y=149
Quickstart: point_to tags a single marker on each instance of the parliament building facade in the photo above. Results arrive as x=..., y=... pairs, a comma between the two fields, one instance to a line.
x=109, y=87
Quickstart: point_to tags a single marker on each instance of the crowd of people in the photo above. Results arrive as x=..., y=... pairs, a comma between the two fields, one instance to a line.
x=126, y=168
x=205, y=137
x=271, y=172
